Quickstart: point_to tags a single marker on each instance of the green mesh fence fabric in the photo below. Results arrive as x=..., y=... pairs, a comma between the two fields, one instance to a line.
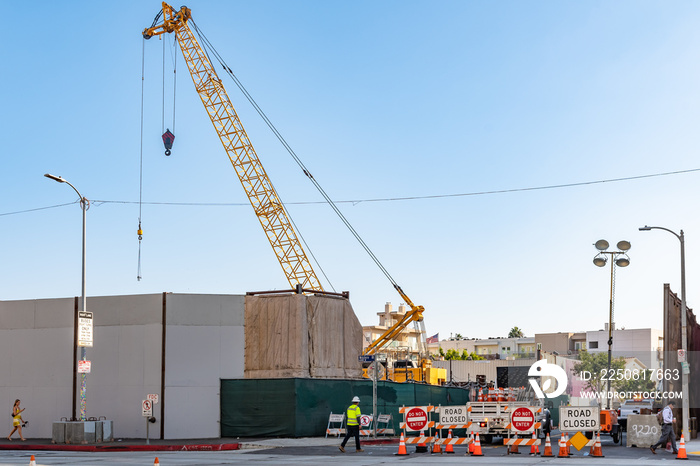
x=300, y=407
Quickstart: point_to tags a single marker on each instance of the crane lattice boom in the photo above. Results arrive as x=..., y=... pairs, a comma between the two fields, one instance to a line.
x=262, y=195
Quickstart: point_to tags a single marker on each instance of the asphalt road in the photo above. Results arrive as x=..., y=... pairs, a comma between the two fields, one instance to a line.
x=327, y=453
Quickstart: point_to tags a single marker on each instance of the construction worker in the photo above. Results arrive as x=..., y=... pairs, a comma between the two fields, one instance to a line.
x=353, y=425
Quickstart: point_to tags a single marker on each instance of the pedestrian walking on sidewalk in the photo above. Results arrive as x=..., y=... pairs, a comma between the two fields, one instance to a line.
x=17, y=421
x=667, y=429
x=353, y=425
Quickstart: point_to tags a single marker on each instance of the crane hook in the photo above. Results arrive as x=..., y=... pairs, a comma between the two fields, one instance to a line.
x=168, y=139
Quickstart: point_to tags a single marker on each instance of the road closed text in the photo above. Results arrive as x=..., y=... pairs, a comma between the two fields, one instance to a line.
x=585, y=418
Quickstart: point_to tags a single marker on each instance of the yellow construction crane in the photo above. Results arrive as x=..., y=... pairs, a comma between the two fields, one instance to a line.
x=262, y=195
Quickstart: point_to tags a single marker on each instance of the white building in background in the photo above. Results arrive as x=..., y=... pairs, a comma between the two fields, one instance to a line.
x=492, y=348
x=645, y=344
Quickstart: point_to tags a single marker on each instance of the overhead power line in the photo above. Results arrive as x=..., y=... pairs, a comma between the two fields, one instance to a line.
x=378, y=199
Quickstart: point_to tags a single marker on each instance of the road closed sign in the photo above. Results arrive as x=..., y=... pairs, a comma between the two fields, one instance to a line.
x=416, y=419
x=583, y=418
x=453, y=415
x=522, y=420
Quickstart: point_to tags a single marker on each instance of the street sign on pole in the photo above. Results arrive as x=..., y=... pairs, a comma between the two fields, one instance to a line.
x=147, y=408
x=84, y=367
x=85, y=328
x=366, y=358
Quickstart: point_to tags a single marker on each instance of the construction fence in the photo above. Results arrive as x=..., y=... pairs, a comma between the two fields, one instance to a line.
x=296, y=407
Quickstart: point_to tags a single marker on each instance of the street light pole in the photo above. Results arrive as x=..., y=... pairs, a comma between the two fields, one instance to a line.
x=85, y=205
x=684, y=334
x=600, y=261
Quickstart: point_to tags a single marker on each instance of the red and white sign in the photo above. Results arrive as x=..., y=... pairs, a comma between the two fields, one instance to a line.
x=147, y=408
x=522, y=419
x=365, y=420
x=153, y=397
x=416, y=419
x=83, y=367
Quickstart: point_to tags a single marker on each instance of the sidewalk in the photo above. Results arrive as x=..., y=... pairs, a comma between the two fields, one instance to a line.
x=213, y=444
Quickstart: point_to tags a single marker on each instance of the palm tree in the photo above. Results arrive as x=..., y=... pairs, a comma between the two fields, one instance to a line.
x=515, y=332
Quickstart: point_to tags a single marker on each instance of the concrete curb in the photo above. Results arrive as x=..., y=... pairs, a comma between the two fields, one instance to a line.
x=124, y=447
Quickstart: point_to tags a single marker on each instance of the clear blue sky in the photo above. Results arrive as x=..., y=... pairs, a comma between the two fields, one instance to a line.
x=383, y=99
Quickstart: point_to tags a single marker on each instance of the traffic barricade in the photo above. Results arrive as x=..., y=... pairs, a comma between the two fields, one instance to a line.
x=522, y=421
x=453, y=417
x=383, y=422
x=417, y=419
x=332, y=428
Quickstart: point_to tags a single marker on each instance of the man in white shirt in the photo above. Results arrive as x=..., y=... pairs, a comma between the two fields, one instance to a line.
x=667, y=429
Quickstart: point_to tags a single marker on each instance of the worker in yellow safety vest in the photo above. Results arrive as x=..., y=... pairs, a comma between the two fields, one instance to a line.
x=353, y=425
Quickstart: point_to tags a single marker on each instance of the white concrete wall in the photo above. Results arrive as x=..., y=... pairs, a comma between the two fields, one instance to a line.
x=36, y=362
x=204, y=343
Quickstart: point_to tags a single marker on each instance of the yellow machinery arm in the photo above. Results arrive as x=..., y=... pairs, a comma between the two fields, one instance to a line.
x=257, y=185
x=414, y=315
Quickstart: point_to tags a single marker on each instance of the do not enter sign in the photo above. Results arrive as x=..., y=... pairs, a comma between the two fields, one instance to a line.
x=416, y=419
x=523, y=419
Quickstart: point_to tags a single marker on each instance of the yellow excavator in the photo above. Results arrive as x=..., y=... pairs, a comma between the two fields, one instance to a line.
x=262, y=195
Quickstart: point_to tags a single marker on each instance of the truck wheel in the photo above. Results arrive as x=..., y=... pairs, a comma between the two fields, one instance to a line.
x=487, y=439
x=616, y=438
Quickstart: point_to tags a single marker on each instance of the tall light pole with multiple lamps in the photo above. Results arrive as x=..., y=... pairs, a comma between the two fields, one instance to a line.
x=620, y=259
x=684, y=334
x=85, y=205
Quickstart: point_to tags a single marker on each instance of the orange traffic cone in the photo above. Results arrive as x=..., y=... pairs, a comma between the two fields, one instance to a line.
x=681, y=450
x=470, y=449
x=32, y=460
x=477, y=447
x=156, y=462
x=547, y=448
x=563, y=450
x=402, y=446
x=534, y=449
x=421, y=447
x=448, y=447
x=597, y=448
x=513, y=449
x=436, y=445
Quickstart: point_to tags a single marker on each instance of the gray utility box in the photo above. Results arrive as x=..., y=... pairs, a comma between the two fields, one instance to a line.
x=82, y=432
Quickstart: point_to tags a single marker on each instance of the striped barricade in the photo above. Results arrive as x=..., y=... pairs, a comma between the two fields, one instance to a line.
x=420, y=439
x=454, y=426
x=454, y=441
x=522, y=441
x=405, y=409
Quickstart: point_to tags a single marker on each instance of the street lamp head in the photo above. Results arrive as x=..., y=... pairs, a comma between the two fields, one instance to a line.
x=622, y=262
x=55, y=178
x=624, y=245
x=601, y=245
x=600, y=261
x=645, y=228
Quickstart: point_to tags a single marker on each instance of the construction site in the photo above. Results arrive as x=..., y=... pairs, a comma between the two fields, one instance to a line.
x=286, y=361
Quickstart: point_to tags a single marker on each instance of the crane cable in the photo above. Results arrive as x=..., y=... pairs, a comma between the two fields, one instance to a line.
x=207, y=47
x=140, y=231
x=173, y=57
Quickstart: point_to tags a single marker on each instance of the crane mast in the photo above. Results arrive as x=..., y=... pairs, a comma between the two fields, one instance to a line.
x=262, y=195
